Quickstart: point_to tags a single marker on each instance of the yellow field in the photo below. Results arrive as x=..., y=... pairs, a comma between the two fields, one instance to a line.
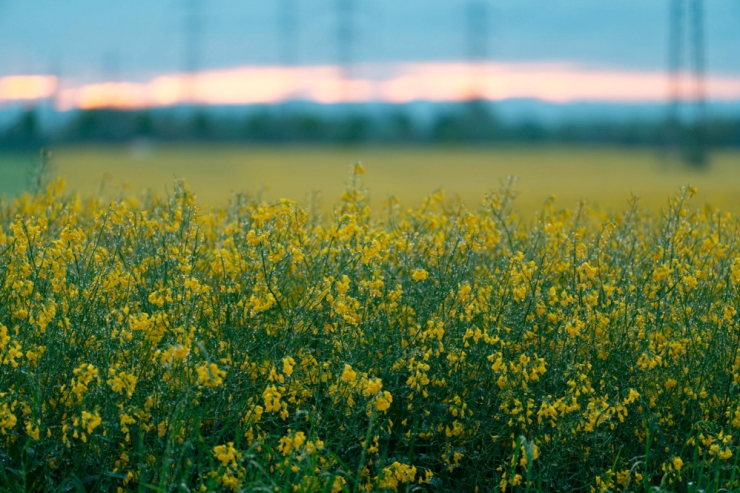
x=601, y=176
x=148, y=345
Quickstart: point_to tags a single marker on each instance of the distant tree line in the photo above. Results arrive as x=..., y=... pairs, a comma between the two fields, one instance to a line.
x=468, y=123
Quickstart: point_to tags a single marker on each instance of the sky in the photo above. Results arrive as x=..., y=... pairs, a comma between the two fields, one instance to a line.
x=142, y=41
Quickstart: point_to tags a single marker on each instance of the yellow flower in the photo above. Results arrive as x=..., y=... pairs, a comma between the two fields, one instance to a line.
x=33, y=431
x=90, y=421
x=632, y=396
x=272, y=399
x=289, y=443
x=419, y=275
x=348, y=375
x=288, y=365
x=397, y=473
x=227, y=454
x=209, y=375
x=338, y=484
x=180, y=352
x=7, y=418
x=383, y=402
x=372, y=387
x=122, y=382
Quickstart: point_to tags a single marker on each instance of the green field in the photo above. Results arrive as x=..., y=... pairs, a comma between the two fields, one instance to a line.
x=602, y=176
x=15, y=171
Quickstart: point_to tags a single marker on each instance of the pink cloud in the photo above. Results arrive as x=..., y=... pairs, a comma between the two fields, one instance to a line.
x=395, y=83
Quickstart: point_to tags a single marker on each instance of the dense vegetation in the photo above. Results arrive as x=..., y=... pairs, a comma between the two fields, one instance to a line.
x=470, y=123
x=146, y=344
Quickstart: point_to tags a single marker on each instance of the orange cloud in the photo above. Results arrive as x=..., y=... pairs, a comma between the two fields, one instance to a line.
x=397, y=83
x=125, y=95
x=27, y=87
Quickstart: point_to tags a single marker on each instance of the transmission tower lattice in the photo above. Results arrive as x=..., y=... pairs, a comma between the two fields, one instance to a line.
x=345, y=41
x=477, y=45
x=193, y=39
x=287, y=39
x=687, y=15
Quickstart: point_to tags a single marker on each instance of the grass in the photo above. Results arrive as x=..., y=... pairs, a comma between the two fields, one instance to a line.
x=15, y=171
x=602, y=176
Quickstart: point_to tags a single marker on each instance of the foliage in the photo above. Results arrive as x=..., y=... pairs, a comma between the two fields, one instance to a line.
x=472, y=122
x=146, y=344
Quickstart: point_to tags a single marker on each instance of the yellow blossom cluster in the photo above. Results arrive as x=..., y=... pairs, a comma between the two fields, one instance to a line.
x=148, y=343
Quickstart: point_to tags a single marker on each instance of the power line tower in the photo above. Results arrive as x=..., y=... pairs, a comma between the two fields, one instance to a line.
x=193, y=38
x=345, y=41
x=287, y=36
x=55, y=70
x=675, y=62
x=54, y=101
x=477, y=46
x=698, y=150
x=686, y=53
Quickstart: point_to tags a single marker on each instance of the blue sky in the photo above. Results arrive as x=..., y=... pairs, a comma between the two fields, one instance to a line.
x=146, y=36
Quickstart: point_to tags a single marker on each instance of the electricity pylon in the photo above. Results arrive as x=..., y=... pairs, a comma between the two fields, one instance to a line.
x=287, y=34
x=55, y=70
x=698, y=150
x=675, y=43
x=691, y=139
x=477, y=46
x=345, y=41
x=193, y=39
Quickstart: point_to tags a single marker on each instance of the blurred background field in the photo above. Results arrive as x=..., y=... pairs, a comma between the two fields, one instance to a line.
x=595, y=101
x=603, y=176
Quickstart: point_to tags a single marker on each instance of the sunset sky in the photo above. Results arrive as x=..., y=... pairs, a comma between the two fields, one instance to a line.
x=130, y=54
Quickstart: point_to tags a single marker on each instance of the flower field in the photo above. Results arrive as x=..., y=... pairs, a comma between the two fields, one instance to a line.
x=150, y=345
